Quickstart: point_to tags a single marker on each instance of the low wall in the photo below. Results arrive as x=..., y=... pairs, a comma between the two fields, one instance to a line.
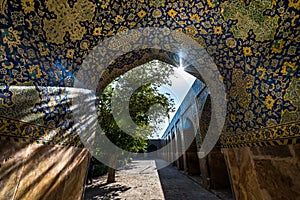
x=271, y=172
x=32, y=171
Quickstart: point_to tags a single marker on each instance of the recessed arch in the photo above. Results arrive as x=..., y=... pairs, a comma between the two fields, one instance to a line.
x=152, y=148
x=97, y=61
x=192, y=160
x=205, y=117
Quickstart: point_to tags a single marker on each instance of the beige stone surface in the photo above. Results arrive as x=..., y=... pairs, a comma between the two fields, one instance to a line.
x=268, y=173
x=137, y=181
x=12, y=158
x=42, y=172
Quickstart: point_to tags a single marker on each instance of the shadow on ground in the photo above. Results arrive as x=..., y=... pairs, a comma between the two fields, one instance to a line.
x=104, y=191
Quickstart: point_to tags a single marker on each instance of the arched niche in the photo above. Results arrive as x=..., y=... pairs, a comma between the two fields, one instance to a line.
x=192, y=161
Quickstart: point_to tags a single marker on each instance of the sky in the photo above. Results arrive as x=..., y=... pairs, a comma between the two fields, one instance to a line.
x=181, y=83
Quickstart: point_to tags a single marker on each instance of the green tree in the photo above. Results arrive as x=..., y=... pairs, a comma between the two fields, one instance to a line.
x=141, y=104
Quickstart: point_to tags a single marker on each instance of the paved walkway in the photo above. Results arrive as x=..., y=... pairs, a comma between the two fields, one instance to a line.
x=140, y=180
x=177, y=186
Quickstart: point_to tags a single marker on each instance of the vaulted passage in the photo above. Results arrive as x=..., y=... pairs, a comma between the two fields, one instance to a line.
x=56, y=56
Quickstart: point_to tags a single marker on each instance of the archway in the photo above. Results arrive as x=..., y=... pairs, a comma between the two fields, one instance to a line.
x=180, y=162
x=40, y=46
x=192, y=161
x=152, y=148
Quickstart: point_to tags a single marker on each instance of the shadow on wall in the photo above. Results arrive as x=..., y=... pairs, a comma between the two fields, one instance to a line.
x=30, y=171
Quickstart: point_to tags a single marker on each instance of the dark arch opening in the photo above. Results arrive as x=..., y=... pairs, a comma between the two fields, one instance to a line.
x=213, y=166
x=180, y=162
x=152, y=148
x=192, y=161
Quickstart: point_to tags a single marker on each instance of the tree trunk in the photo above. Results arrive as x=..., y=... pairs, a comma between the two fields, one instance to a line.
x=111, y=177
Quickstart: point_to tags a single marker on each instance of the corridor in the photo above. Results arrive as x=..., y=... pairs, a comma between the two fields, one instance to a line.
x=141, y=180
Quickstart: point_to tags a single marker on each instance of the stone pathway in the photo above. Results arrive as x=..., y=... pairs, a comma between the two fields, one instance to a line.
x=140, y=180
x=177, y=186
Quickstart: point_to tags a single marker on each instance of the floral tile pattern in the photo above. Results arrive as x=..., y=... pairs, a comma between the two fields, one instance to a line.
x=255, y=45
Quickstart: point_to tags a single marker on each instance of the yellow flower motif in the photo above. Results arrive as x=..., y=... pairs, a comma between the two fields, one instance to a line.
x=262, y=72
x=172, y=13
x=157, y=13
x=195, y=17
x=210, y=4
x=287, y=65
x=294, y=23
x=28, y=6
x=105, y=5
x=70, y=53
x=295, y=4
x=43, y=49
x=68, y=20
x=259, y=120
x=11, y=37
x=141, y=14
x=277, y=46
x=35, y=71
x=232, y=117
x=218, y=30
x=9, y=66
x=247, y=51
x=249, y=116
x=231, y=42
x=269, y=102
x=119, y=19
x=157, y=3
x=97, y=31
x=85, y=44
x=132, y=24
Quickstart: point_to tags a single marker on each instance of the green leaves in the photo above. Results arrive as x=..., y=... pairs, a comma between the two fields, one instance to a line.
x=147, y=107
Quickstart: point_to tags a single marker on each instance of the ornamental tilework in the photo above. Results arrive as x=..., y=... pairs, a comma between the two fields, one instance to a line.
x=18, y=131
x=255, y=45
x=279, y=135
